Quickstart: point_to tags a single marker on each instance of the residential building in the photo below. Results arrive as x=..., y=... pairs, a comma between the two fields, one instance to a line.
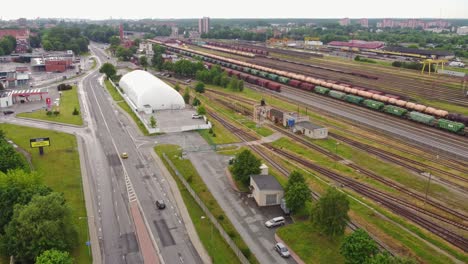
x=364, y=22
x=462, y=30
x=345, y=22
x=204, y=25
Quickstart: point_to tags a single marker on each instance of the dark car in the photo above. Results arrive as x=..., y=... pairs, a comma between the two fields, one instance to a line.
x=8, y=112
x=160, y=204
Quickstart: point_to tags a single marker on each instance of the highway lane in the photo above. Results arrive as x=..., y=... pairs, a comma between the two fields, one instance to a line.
x=166, y=226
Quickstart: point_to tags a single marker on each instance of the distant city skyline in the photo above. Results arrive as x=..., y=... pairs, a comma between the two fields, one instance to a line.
x=140, y=9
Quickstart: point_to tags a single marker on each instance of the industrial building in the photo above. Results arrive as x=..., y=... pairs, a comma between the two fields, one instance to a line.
x=311, y=130
x=360, y=44
x=204, y=25
x=52, y=64
x=266, y=190
x=149, y=93
x=13, y=78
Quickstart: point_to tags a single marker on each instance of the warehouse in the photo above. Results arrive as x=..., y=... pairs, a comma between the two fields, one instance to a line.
x=146, y=91
x=266, y=190
x=311, y=130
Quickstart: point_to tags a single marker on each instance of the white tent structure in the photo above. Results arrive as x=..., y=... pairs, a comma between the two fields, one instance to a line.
x=148, y=92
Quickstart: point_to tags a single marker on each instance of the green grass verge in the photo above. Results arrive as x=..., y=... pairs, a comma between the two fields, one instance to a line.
x=121, y=102
x=310, y=245
x=60, y=167
x=223, y=136
x=217, y=248
x=68, y=102
x=189, y=172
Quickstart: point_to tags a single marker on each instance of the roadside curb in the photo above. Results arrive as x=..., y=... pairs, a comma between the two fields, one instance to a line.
x=191, y=231
x=293, y=254
x=50, y=122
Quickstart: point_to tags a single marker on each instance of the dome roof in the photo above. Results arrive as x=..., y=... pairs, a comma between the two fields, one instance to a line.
x=145, y=89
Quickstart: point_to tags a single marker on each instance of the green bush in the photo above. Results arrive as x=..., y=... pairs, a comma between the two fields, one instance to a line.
x=75, y=111
x=49, y=113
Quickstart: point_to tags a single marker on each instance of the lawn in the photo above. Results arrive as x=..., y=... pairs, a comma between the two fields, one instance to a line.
x=189, y=172
x=68, y=102
x=60, y=167
x=223, y=136
x=310, y=245
x=121, y=102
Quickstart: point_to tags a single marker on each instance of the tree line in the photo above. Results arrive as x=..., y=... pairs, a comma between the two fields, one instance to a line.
x=7, y=45
x=217, y=76
x=64, y=38
x=36, y=223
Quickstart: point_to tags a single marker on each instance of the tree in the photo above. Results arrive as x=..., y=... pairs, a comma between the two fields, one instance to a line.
x=114, y=41
x=108, y=69
x=54, y=257
x=18, y=187
x=245, y=164
x=297, y=195
x=294, y=177
x=200, y=87
x=240, y=86
x=45, y=223
x=187, y=96
x=358, y=247
x=177, y=87
x=385, y=258
x=233, y=83
x=201, y=110
x=10, y=158
x=153, y=122
x=330, y=213
x=157, y=61
x=143, y=61
x=196, y=102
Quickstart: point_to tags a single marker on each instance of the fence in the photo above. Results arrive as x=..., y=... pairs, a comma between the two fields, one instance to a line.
x=213, y=219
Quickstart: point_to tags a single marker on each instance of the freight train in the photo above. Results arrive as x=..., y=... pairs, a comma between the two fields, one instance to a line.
x=232, y=51
x=239, y=48
x=308, y=83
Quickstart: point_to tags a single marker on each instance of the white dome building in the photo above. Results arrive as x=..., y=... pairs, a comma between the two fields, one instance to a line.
x=148, y=92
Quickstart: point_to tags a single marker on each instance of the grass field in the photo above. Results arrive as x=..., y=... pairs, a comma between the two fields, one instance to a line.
x=310, y=245
x=222, y=134
x=60, y=167
x=68, y=102
x=186, y=168
x=122, y=104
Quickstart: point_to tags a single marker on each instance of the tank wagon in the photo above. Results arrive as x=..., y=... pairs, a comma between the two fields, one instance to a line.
x=377, y=100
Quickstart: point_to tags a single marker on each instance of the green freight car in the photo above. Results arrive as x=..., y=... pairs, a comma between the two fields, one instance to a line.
x=336, y=94
x=254, y=72
x=353, y=99
x=321, y=90
x=395, y=110
x=373, y=104
x=272, y=76
x=246, y=69
x=452, y=126
x=421, y=118
x=263, y=74
x=283, y=79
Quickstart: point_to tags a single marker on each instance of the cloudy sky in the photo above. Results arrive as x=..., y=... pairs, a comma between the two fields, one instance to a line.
x=134, y=9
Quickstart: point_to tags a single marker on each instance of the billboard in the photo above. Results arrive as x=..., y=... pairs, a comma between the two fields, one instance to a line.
x=39, y=142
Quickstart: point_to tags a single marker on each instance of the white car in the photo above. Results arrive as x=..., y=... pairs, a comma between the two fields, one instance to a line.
x=282, y=250
x=196, y=116
x=277, y=221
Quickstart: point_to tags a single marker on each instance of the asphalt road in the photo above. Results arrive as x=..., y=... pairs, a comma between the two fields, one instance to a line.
x=116, y=135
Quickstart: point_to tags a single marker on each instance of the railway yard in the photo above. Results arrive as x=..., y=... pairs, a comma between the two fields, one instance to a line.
x=406, y=168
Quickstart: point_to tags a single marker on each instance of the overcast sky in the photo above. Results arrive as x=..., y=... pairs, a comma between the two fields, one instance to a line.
x=135, y=9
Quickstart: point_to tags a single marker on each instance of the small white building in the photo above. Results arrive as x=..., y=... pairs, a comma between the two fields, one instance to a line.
x=6, y=100
x=311, y=130
x=266, y=190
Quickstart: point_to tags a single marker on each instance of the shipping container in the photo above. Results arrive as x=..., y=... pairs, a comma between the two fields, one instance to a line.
x=395, y=110
x=254, y=72
x=307, y=86
x=373, y=104
x=420, y=117
x=273, y=86
x=263, y=74
x=246, y=69
x=450, y=125
x=353, y=99
x=336, y=94
x=321, y=90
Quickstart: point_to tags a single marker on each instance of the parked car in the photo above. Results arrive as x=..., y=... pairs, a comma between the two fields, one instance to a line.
x=160, y=204
x=196, y=116
x=8, y=112
x=124, y=155
x=282, y=250
x=277, y=221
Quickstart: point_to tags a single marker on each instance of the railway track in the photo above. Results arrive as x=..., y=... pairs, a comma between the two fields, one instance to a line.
x=394, y=204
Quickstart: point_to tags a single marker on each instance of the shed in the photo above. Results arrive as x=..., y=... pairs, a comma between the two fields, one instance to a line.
x=266, y=190
x=311, y=130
